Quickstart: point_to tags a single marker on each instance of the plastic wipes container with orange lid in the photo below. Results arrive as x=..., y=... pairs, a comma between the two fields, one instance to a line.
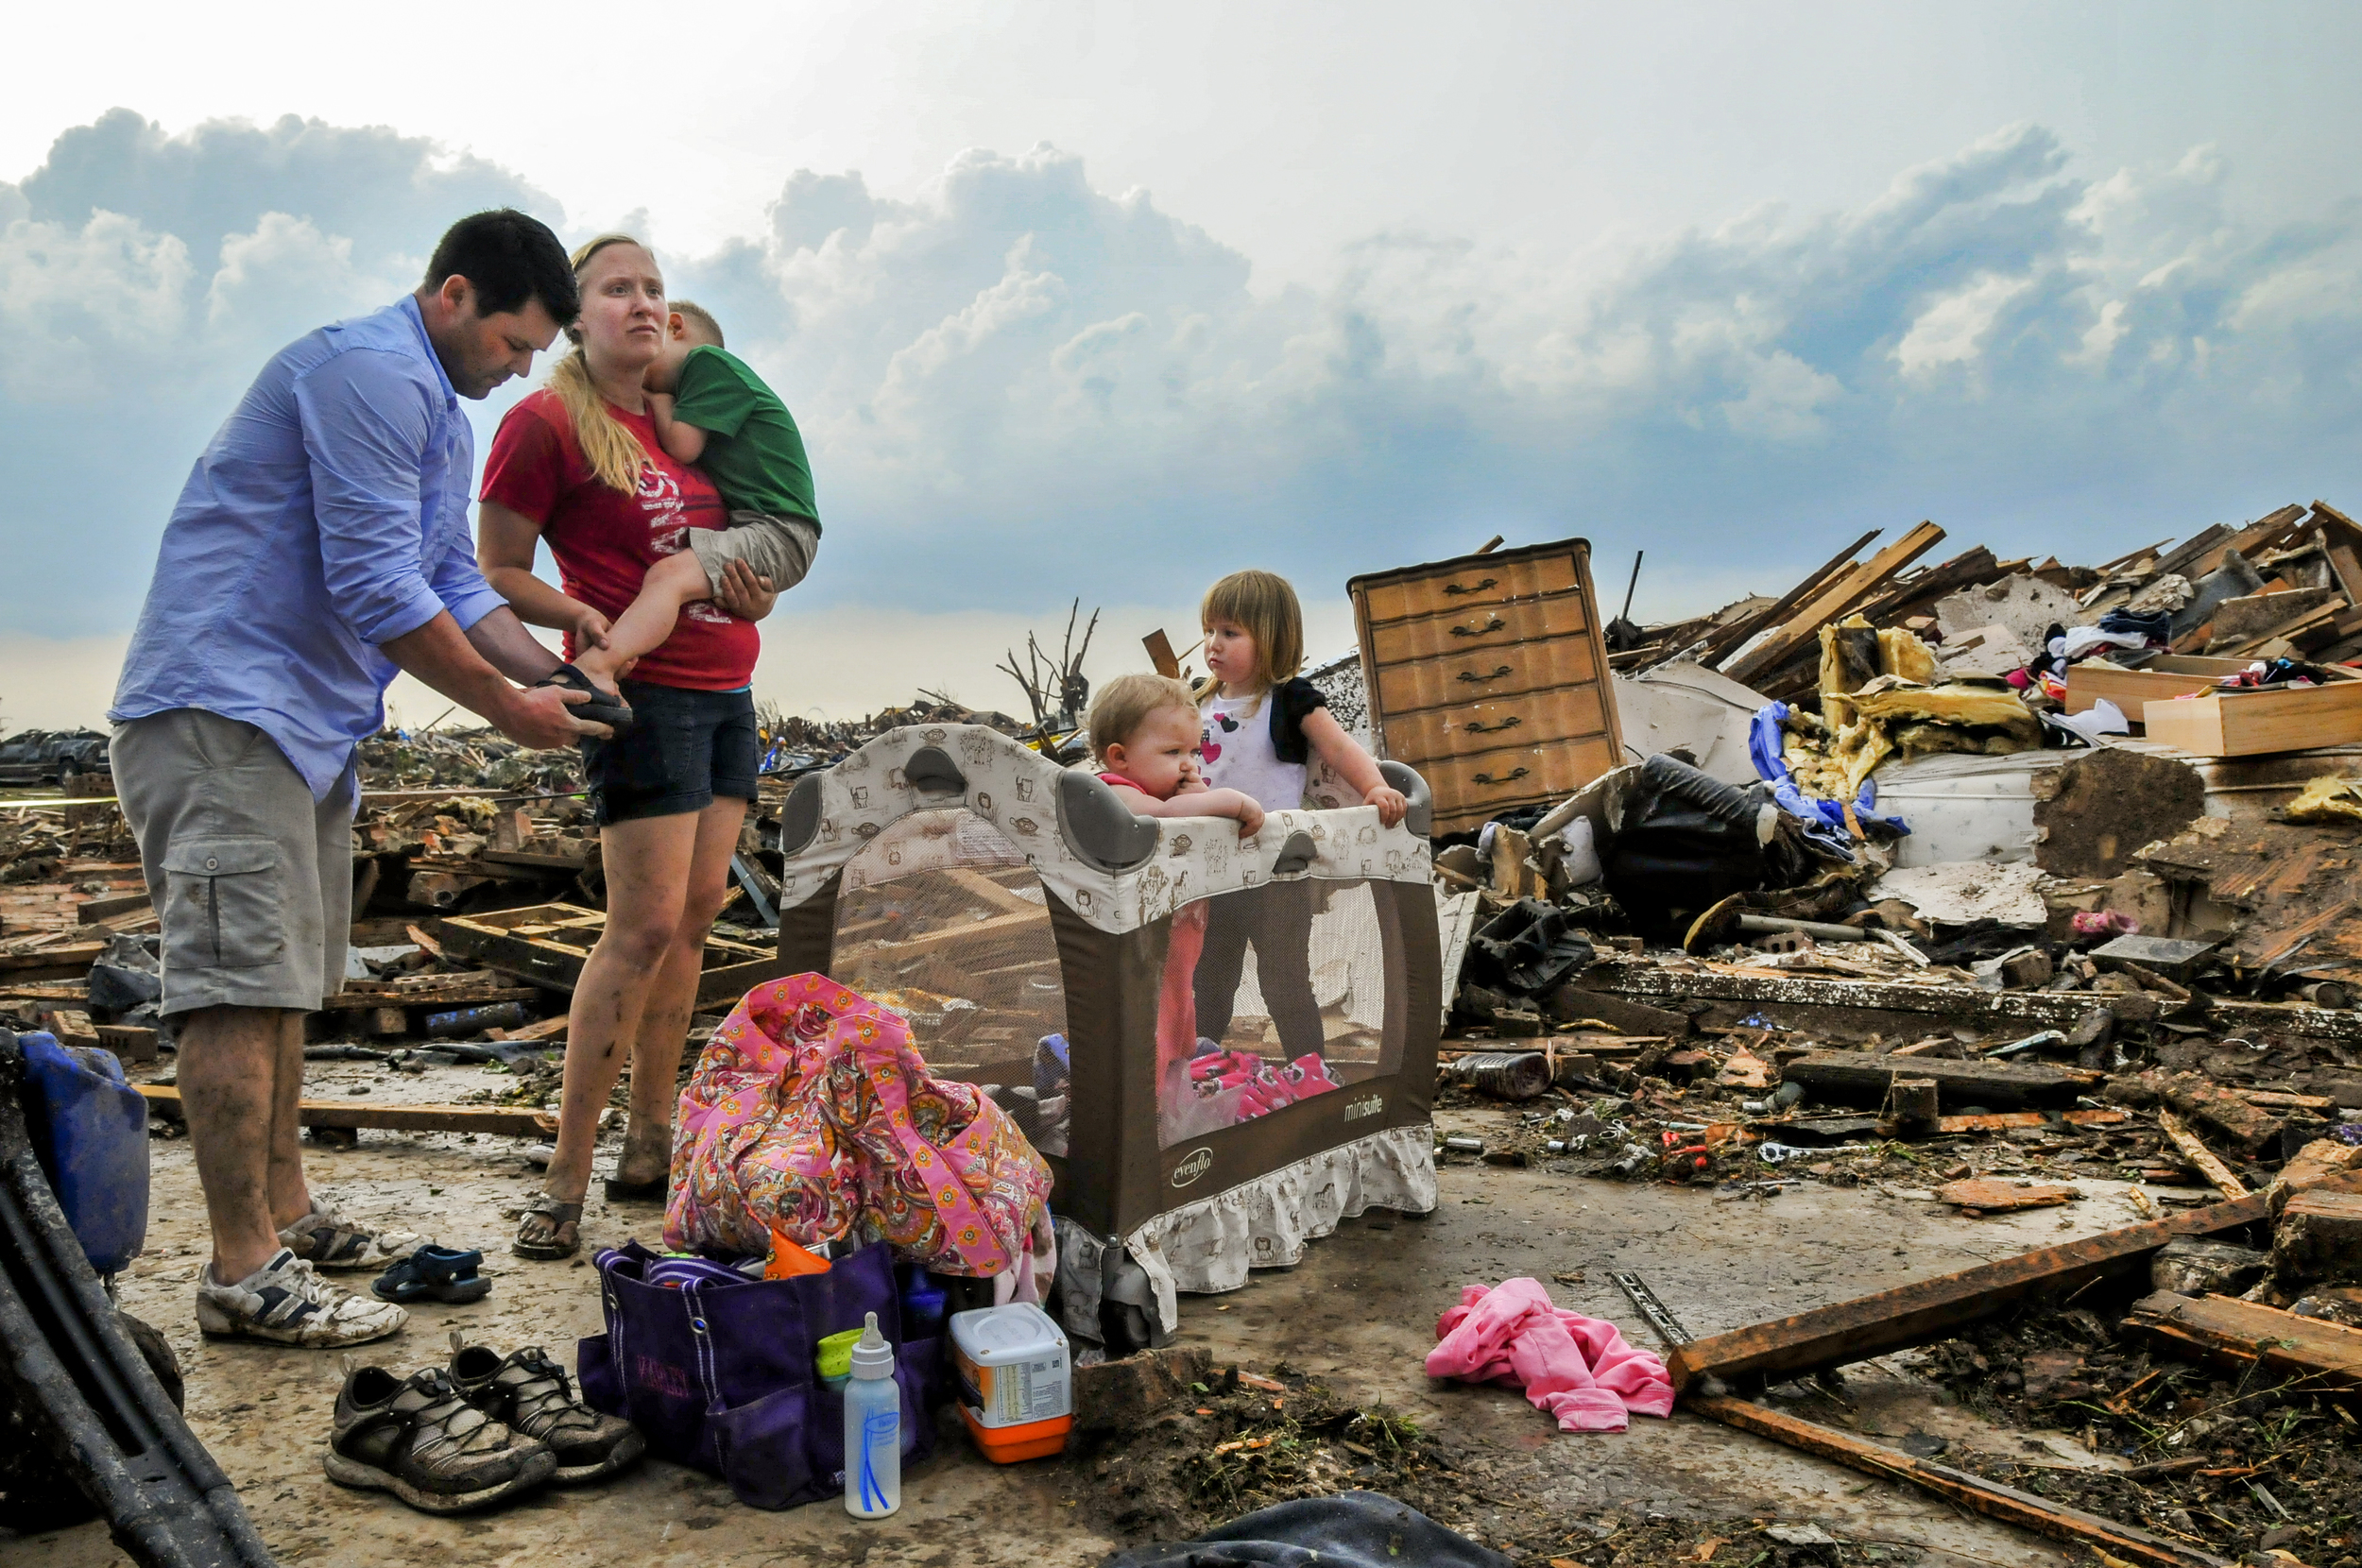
x=1015, y=1385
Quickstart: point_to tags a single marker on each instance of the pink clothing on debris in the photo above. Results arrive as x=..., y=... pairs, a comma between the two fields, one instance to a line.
x=1578, y=1369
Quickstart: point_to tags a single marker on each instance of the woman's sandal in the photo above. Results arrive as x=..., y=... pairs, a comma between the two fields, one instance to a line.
x=619, y=1191
x=565, y=1231
x=603, y=709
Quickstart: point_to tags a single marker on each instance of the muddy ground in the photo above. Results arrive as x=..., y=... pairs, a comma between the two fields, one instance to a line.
x=1346, y=1331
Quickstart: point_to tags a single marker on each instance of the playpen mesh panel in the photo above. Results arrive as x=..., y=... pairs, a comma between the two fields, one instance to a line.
x=940, y=919
x=1272, y=994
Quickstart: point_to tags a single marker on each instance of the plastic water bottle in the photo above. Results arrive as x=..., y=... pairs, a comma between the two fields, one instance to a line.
x=873, y=1429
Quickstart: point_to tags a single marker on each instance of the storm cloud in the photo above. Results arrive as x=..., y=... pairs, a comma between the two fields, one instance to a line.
x=1018, y=387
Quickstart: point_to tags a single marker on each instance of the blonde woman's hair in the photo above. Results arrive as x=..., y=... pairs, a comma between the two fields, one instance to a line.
x=1124, y=704
x=613, y=452
x=700, y=319
x=1266, y=608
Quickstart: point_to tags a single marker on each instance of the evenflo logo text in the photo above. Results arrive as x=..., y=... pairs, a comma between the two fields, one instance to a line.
x=1195, y=1164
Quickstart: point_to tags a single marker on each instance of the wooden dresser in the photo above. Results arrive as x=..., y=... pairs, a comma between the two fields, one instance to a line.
x=1487, y=674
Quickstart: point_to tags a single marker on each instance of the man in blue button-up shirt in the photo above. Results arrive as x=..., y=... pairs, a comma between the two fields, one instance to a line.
x=320, y=545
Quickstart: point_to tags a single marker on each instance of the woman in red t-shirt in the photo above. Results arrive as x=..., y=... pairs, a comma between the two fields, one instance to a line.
x=577, y=467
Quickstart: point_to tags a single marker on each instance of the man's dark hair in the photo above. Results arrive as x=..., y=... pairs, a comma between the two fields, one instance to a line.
x=508, y=257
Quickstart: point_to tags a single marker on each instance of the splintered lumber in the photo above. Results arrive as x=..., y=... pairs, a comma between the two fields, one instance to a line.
x=2224, y=1329
x=2122, y=1543
x=1731, y=637
x=1859, y=1078
x=1829, y=602
x=1938, y=1308
x=548, y=945
x=2207, y=1163
x=499, y=1121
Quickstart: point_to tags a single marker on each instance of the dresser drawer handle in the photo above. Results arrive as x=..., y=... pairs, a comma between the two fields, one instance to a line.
x=1490, y=626
x=1478, y=588
x=1477, y=727
x=1510, y=778
x=1471, y=676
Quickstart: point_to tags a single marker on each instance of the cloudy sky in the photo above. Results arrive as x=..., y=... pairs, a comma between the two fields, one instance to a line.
x=1104, y=301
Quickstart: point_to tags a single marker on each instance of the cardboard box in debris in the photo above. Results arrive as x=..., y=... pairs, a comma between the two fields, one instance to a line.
x=1873, y=879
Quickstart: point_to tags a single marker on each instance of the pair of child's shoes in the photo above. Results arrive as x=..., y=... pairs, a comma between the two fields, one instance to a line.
x=434, y=1273
x=487, y=1429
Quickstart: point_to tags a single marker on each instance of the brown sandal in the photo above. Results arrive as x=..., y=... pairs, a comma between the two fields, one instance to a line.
x=565, y=1228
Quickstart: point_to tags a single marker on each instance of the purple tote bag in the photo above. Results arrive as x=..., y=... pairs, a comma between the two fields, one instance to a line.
x=720, y=1376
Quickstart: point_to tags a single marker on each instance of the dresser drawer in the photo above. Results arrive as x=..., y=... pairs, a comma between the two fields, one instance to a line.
x=1448, y=635
x=1514, y=723
x=1471, y=790
x=1459, y=678
x=1477, y=583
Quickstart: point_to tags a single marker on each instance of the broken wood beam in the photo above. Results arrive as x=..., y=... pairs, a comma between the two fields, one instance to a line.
x=2124, y=1542
x=2231, y=1332
x=456, y=996
x=499, y=1121
x=1647, y=983
x=1826, y=604
x=1926, y=1310
x=2207, y=1163
x=1859, y=1077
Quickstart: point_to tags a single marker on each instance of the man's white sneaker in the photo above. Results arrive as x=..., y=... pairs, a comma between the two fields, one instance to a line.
x=326, y=1239
x=284, y=1302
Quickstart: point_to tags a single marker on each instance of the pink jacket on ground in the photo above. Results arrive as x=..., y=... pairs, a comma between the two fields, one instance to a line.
x=1578, y=1369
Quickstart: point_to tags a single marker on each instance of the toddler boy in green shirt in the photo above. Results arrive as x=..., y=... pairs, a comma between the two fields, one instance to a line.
x=711, y=410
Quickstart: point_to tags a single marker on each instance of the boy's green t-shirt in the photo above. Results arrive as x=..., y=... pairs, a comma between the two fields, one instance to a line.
x=753, y=450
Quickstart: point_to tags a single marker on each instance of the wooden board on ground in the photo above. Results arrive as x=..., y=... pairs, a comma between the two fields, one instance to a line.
x=477, y=994
x=2222, y=1328
x=548, y=945
x=1938, y=1309
x=499, y=1121
x=1991, y=1195
x=2122, y=1543
x=1967, y=1004
x=1860, y=1078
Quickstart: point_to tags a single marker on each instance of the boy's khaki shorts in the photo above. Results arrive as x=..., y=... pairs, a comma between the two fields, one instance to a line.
x=252, y=878
x=781, y=549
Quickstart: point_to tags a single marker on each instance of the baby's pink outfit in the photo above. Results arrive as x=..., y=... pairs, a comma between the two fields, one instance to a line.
x=1578, y=1369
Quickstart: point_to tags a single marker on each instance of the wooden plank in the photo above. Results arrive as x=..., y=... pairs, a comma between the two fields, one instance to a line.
x=1999, y=1120
x=983, y=887
x=499, y=1121
x=2205, y=1160
x=1938, y=1308
x=2234, y=1332
x=469, y=995
x=1862, y=1079
x=1834, y=601
x=2122, y=1543
x=1965, y=1003
x=1732, y=636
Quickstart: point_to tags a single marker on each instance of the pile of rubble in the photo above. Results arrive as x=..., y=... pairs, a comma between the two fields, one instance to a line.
x=1898, y=910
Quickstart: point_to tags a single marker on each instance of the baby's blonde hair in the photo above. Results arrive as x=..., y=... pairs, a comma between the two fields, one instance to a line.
x=613, y=452
x=1266, y=608
x=700, y=320
x=1124, y=704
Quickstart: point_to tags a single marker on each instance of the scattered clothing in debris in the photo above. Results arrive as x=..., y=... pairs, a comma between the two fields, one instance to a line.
x=1577, y=1369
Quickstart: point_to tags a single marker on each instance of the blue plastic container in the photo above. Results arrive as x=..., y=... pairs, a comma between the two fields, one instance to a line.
x=90, y=1132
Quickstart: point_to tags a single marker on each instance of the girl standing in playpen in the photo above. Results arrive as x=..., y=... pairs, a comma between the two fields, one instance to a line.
x=1261, y=725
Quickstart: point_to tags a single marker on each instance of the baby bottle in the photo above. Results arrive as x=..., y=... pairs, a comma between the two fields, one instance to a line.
x=873, y=1429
